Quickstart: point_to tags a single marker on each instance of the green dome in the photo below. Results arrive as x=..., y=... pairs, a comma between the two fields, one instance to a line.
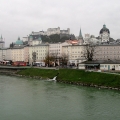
x=19, y=42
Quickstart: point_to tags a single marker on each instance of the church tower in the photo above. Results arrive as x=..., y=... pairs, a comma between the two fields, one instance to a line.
x=104, y=34
x=80, y=38
x=2, y=43
x=1, y=39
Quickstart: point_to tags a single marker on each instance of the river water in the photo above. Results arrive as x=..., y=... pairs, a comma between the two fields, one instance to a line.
x=28, y=99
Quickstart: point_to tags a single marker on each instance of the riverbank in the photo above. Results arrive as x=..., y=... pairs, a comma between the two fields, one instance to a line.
x=70, y=76
x=76, y=77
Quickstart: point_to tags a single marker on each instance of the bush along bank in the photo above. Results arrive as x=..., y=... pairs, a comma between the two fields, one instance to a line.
x=76, y=77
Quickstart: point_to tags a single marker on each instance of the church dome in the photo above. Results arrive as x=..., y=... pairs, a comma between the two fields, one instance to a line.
x=104, y=29
x=19, y=42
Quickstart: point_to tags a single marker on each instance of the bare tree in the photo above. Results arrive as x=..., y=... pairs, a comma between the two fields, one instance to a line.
x=64, y=59
x=34, y=56
x=49, y=60
x=55, y=58
x=89, y=51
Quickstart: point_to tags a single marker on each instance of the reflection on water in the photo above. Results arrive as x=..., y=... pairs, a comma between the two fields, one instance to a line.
x=28, y=99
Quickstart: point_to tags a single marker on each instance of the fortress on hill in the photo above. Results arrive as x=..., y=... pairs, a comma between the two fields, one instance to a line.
x=51, y=31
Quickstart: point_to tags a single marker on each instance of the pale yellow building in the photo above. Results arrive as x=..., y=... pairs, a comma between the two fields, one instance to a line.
x=74, y=53
x=17, y=54
x=38, y=53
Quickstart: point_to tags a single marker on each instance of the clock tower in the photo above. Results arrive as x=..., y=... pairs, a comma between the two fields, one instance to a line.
x=104, y=34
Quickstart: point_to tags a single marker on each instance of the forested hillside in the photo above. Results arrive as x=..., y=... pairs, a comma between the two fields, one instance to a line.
x=56, y=38
x=50, y=39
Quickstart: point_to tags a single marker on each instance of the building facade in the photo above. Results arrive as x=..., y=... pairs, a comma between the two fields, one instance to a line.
x=51, y=31
x=88, y=39
x=3, y=54
x=74, y=53
x=107, y=52
x=37, y=41
x=56, y=48
x=17, y=54
x=37, y=53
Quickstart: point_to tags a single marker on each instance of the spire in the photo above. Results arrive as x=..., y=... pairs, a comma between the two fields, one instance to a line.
x=80, y=35
x=1, y=38
x=18, y=38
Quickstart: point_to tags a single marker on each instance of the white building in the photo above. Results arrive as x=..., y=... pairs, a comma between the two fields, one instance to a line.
x=100, y=65
x=56, y=48
x=107, y=52
x=110, y=65
x=3, y=54
x=8, y=54
x=86, y=39
x=51, y=31
x=39, y=33
x=91, y=39
x=36, y=41
x=25, y=39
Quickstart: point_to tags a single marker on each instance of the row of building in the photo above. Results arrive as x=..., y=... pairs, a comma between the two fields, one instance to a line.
x=73, y=52
x=105, y=49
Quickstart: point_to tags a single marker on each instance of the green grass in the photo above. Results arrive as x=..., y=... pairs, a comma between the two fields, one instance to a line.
x=74, y=75
x=46, y=73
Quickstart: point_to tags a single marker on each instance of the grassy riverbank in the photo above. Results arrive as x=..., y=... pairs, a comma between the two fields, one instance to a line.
x=76, y=76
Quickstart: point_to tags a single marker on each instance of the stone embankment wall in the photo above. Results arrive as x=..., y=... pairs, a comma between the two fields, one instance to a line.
x=88, y=85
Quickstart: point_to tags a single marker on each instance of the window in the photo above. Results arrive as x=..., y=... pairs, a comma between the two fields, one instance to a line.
x=101, y=65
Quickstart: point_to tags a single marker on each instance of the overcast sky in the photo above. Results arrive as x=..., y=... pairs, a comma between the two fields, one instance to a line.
x=21, y=17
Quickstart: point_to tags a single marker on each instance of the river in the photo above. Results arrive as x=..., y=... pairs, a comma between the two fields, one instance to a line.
x=30, y=99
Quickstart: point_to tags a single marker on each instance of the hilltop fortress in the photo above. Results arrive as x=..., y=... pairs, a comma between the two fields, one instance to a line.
x=51, y=31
